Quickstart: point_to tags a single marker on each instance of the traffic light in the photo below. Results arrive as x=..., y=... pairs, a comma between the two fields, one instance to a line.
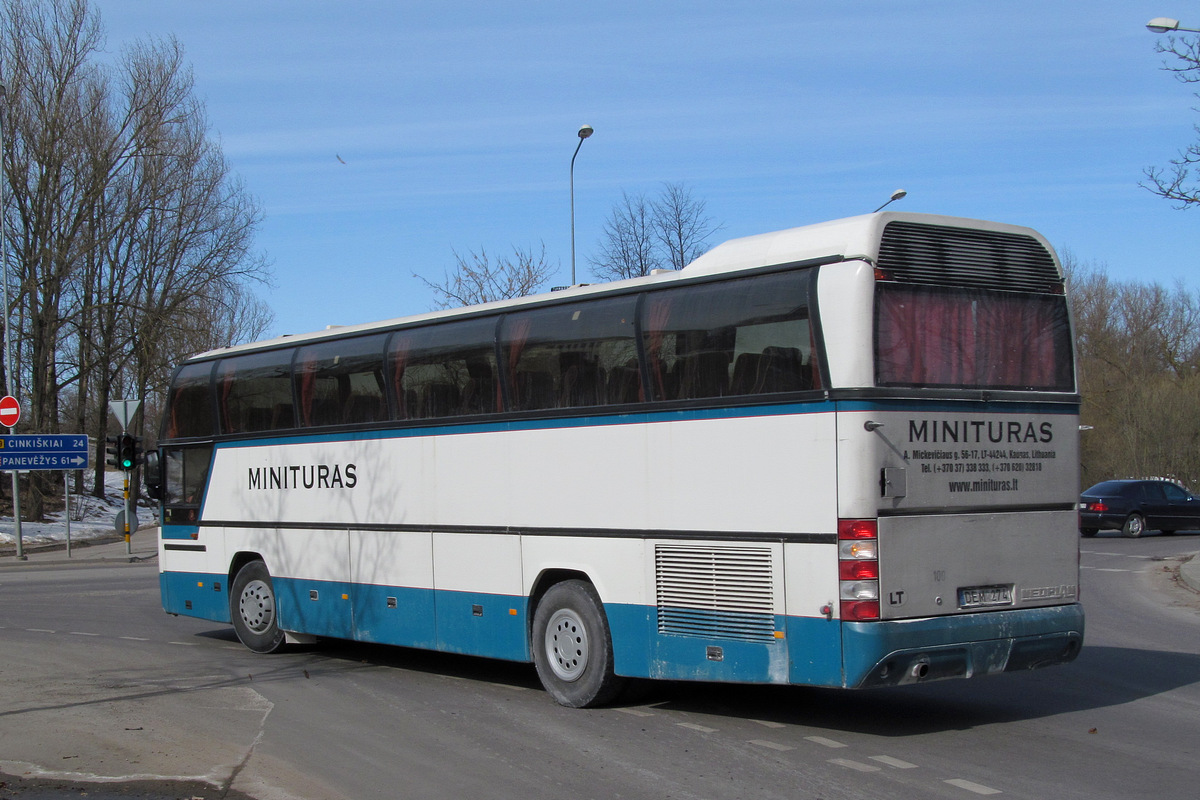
x=113, y=448
x=128, y=451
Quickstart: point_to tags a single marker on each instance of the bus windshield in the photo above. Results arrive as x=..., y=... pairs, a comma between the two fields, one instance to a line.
x=960, y=338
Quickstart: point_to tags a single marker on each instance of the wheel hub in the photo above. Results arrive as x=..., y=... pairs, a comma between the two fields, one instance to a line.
x=257, y=606
x=567, y=645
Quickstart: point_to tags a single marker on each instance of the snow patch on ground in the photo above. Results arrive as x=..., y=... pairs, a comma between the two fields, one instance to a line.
x=91, y=518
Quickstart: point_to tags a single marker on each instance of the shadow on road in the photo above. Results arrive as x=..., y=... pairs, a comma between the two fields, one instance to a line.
x=1100, y=677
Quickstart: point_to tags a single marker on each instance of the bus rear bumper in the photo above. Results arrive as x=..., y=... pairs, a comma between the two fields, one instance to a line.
x=891, y=653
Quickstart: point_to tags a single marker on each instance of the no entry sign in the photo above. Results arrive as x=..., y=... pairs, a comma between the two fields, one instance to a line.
x=10, y=411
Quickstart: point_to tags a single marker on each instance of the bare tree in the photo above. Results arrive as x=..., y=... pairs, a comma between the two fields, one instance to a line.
x=1177, y=182
x=681, y=225
x=476, y=279
x=1139, y=376
x=628, y=246
x=124, y=222
x=639, y=236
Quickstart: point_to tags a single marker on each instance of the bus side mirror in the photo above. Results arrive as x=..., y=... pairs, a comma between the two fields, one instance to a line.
x=152, y=472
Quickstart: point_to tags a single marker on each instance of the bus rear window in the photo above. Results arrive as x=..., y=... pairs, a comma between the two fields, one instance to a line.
x=941, y=337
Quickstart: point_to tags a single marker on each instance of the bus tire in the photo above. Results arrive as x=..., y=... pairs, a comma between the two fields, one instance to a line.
x=1134, y=526
x=253, y=607
x=572, y=646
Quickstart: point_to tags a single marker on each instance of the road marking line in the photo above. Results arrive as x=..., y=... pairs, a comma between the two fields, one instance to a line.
x=772, y=745
x=134, y=639
x=766, y=723
x=893, y=762
x=635, y=712
x=821, y=740
x=971, y=786
x=81, y=633
x=855, y=765
x=39, y=630
x=185, y=644
x=1110, y=569
x=694, y=727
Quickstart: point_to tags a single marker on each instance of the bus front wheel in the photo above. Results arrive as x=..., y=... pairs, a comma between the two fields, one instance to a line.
x=253, y=608
x=572, y=646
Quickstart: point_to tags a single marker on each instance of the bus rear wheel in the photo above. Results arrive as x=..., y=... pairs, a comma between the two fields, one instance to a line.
x=572, y=646
x=253, y=609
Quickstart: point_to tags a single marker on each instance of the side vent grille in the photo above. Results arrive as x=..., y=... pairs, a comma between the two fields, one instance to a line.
x=917, y=253
x=715, y=592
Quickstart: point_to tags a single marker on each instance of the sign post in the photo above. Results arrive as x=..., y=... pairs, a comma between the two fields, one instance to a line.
x=124, y=410
x=10, y=414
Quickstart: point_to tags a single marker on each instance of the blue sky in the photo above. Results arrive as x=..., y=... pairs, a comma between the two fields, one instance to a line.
x=457, y=120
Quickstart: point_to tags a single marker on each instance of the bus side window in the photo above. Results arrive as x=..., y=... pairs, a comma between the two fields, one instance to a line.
x=190, y=405
x=254, y=392
x=185, y=476
x=575, y=355
x=444, y=370
x=741, y=337
x=341, y=382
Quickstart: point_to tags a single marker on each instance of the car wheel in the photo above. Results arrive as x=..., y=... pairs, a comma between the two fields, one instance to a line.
x=1088, y=532
x=1135, y=526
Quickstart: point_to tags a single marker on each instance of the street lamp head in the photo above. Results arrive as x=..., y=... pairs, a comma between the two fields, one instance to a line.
x=896, y=195
x=1168, y=25
x=585, y=131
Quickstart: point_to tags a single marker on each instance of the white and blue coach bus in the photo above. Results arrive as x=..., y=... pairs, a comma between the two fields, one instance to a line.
x=838, y=455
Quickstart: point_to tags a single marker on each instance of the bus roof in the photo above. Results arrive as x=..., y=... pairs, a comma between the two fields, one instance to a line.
x=851, y=238
x=835, y=240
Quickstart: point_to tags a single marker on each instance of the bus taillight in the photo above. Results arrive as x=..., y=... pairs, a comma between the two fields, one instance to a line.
x=858, y=568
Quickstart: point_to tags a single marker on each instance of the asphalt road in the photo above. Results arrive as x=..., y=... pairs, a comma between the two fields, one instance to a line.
x=96, y=683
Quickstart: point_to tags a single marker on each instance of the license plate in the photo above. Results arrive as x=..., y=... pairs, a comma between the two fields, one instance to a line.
x=982, y=596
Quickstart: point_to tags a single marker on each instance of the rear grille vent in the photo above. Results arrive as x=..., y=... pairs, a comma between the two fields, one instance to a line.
x=715, y=592
x=934, y=254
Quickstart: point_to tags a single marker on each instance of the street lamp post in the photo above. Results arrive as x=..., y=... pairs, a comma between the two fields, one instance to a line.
x=1168, y=25
x=584, y=132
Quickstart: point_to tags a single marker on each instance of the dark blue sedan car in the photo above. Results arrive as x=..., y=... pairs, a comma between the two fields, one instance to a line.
x=1134, y=507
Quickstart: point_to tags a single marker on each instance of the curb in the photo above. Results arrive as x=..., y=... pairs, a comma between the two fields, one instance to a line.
x=1189, y=572
x=109, y=549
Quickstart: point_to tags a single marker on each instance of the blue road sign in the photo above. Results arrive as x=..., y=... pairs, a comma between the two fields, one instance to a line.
x=44, y=451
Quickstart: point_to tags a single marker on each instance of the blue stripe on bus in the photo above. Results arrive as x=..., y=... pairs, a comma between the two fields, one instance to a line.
x=553, y=423
x=678, y=415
